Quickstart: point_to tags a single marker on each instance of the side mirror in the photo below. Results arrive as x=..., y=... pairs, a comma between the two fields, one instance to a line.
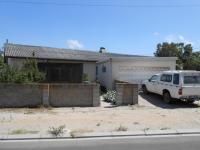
x=149, y=80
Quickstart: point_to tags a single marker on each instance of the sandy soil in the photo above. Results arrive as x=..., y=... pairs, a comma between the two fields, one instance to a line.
x=101, y=119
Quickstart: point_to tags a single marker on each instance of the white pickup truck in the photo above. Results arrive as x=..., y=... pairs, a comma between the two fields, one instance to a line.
x=183, y=85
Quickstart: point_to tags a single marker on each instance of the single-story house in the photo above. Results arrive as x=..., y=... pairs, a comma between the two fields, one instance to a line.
x=132, y=69
x=66, y=65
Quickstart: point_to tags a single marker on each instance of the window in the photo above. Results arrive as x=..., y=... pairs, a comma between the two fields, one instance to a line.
x=104, y=68
x=154, y=78
x=191, y=79
x=166, y=78
x=176, y=79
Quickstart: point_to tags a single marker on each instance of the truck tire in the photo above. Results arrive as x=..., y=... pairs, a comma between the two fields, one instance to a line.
x=167, y=97
x=144, y=89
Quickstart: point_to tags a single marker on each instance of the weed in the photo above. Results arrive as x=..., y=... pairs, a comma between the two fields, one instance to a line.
x=146, y=129
x=28, y=112
x=98, y=124
x=165, y=128
x=56, y=131
x=23, y=131
x=121, y=128
x=136, y=123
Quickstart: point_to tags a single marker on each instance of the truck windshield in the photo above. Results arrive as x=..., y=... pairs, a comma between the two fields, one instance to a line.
x=191, y=79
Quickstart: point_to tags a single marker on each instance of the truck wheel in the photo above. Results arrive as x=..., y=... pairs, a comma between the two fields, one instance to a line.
x=144, y=89
x=166, y=97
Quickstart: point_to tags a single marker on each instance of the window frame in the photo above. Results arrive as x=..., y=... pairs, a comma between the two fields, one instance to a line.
x=166, y=80
x=177, y=79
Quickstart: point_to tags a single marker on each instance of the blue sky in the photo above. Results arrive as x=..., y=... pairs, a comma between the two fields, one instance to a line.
x=132, y=30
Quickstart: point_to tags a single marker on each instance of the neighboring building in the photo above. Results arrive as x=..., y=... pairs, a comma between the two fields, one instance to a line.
x=132, y=69
x=65, y=65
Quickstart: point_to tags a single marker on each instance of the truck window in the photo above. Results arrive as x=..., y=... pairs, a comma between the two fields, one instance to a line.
x=192, y=79
x=154, y=78
x=176, y=79
x=166, y=78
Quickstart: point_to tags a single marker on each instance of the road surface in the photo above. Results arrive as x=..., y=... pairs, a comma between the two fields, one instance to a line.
x=189, y=142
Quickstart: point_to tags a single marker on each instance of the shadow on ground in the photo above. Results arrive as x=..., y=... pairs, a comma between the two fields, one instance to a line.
x=157, y=101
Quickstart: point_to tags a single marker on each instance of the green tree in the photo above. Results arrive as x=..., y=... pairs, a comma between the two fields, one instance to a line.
x=194, y=61
x=28, y=73
x=179, y=50
x=1, y=61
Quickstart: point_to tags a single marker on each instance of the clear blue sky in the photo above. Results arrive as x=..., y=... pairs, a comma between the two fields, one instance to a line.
x=132, y=30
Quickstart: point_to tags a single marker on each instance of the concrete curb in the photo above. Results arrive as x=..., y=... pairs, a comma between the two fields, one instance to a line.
x=107, y=134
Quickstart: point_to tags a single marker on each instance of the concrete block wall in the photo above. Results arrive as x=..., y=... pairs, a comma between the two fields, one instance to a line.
x=127, y=94
x=20, y=95
x=73, y=95
x=55, y=95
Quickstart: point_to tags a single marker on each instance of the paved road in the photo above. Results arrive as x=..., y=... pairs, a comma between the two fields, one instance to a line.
x=127, y=143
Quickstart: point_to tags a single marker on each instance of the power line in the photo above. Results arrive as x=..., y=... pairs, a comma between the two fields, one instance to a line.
x=102, y=5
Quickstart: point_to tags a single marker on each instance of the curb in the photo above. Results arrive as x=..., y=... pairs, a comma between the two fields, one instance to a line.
x=115, y=134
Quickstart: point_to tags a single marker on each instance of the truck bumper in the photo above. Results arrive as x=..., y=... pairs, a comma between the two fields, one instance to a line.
x=191, y=97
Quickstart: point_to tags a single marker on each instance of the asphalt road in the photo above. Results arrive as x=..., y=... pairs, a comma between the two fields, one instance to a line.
x=127, y=143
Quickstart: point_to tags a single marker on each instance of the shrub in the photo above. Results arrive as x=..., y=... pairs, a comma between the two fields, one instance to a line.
x=56, y=131
x=110, y=96
x=28, y=73
x=122, y=128
x=85, y=77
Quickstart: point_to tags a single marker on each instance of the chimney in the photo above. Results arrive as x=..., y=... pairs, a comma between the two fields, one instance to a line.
x=102, y=50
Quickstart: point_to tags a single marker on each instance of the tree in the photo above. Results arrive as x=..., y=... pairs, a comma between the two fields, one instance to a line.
x=194, y=61
x=179, y=50
x=27, y=74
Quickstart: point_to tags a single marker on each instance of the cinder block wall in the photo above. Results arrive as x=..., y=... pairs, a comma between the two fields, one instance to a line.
x=127, y=94
x=20, y=95
x=55, y=95
x=73, y=95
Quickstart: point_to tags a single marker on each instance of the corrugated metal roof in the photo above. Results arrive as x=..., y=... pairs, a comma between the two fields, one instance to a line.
x=28, y=51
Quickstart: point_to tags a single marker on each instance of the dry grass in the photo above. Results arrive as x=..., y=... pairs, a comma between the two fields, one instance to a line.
x=22, y=131
x=121, y=128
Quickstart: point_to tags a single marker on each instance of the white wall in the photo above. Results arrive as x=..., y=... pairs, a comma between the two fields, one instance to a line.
x=105, y=78
x=90, y=69
x=136, y=71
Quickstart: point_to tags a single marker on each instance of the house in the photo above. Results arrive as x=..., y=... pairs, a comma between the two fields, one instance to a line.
x=60, y=65
x=66, y=65
x=132, y=69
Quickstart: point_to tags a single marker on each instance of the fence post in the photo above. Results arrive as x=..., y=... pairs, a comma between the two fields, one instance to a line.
x=45, y=95
x=95, y=94
x=119, y=92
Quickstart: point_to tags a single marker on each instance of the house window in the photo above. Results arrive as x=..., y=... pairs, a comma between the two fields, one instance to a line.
x=104, y=68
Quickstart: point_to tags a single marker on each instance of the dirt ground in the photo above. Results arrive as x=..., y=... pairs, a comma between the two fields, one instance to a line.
x=151, y=113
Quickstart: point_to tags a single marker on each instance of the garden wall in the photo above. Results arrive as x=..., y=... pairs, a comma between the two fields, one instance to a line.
x=55, y=95
x=127, y=94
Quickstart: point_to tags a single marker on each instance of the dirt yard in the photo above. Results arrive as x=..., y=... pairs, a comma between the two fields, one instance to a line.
x=151, y=113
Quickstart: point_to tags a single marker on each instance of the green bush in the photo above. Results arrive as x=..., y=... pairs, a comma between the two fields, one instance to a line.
x=27, y=74
x=85, y=77
x=110, y=96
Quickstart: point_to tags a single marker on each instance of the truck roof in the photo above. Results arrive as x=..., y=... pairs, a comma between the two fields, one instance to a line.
x=181, y=71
